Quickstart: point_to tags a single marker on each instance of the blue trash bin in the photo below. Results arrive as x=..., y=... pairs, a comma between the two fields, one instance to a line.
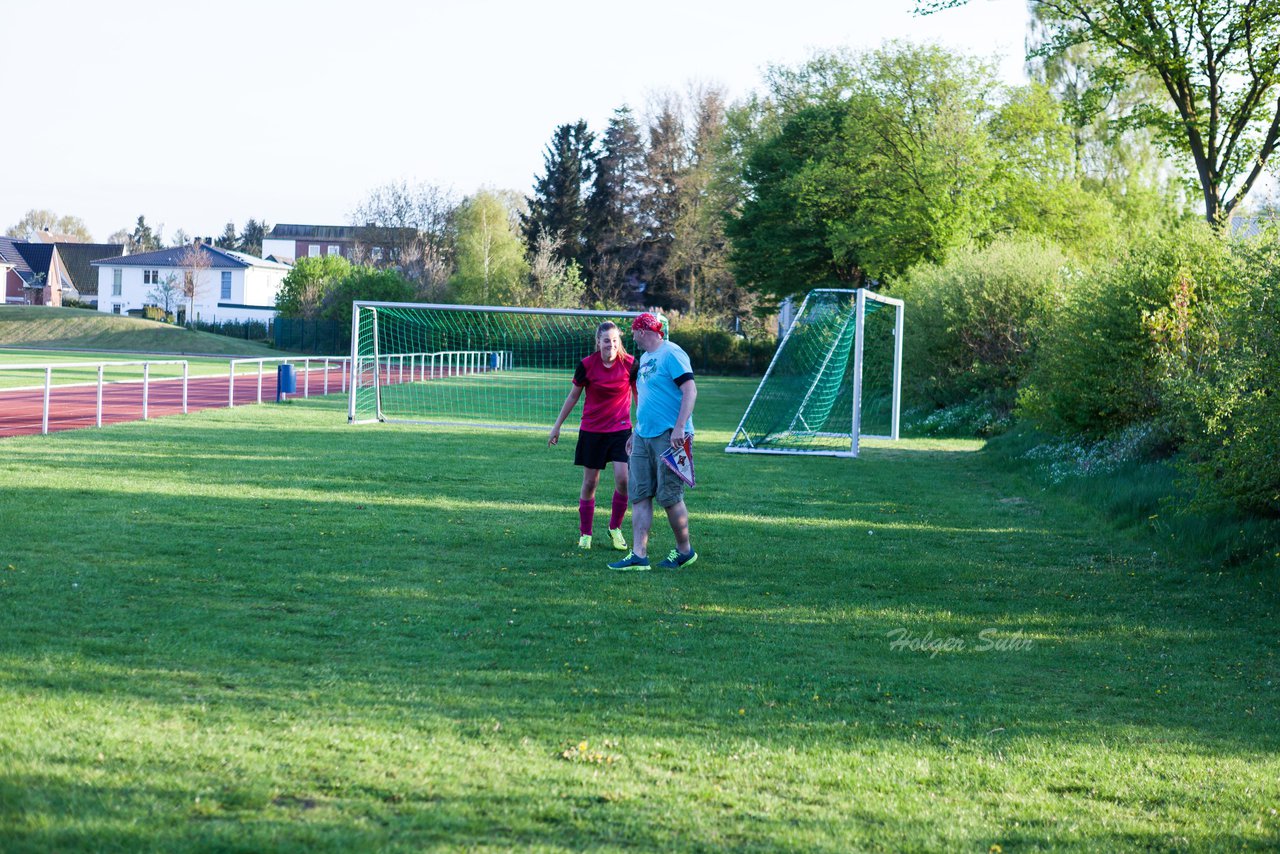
x=286, y=381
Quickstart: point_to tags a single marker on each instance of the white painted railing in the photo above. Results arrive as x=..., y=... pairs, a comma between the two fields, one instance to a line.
x=420, y=367
x=328, y=363
x=49, y=368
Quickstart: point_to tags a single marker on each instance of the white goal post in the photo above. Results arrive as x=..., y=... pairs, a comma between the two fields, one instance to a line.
x=483, y=366
x=836, y=378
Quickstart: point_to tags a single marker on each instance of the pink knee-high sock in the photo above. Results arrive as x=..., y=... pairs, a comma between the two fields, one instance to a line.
x=586, y=509
x=619, y=510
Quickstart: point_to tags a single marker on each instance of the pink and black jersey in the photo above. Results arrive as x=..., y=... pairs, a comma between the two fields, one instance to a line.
x=607, y=407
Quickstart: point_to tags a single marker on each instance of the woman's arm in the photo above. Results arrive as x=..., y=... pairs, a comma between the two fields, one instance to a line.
x=569, y=403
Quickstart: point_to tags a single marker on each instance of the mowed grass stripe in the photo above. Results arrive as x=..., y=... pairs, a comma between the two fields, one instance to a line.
x=48, y=328
x=261, y=628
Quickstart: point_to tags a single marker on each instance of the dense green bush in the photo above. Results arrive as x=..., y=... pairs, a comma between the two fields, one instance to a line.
x=974, y=322
x=721, y=351
x=325, y=288
x=1221, y=354
x=1099, y=367
x=364, y=283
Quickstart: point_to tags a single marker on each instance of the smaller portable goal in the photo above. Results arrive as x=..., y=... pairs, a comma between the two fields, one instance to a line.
x=835, y=379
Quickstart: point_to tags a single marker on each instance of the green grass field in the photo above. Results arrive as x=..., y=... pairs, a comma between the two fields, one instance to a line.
x=524, y=398
x=262, y=629
x=47, y=328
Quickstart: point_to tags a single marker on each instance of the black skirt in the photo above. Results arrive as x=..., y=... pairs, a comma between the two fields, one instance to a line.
x=596, y=450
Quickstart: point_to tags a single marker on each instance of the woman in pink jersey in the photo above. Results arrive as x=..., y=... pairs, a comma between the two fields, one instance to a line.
x=606, y=426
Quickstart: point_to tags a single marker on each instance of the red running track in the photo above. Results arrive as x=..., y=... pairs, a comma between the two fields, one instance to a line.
x=75, y=406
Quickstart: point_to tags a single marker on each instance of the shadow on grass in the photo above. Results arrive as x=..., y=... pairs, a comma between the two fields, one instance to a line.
x=315, y=585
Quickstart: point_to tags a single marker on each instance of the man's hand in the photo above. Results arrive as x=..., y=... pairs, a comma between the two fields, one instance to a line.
x=554, y=437
x=677, y=438
x=630, y=443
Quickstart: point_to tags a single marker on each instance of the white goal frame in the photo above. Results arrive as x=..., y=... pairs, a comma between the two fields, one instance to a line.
x=861, y=296
x=457, y=361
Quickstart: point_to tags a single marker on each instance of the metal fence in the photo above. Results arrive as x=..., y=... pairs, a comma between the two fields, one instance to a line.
x=145, y=381
x=299, y=335
x=326, y=365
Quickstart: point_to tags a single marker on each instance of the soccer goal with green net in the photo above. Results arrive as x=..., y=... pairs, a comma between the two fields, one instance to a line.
x=836, y=378
x=484, y=366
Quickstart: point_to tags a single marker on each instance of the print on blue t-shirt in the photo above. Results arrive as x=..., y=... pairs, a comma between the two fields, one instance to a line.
x=657, y=391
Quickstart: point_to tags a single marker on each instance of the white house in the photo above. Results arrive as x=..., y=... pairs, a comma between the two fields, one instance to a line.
x=233, y=286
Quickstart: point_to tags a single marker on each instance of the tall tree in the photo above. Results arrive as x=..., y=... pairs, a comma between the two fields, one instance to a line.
x=614, y=229
x=697, y=261
x=229, y=238
x=666, y=159
x=1218, y=62
x=490, y=254
x=778, y=239
x=558, y=206
x=410, y=224
x=888, y=164
x=143, y=239
x=251, y=237
x=34, y=221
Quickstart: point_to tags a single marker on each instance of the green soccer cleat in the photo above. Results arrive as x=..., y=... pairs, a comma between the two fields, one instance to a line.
x=675, y=560
x=631, y=563
x=584, y=542
x=615, y=537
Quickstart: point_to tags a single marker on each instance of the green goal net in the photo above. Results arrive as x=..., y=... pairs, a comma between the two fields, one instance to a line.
x=835, y=378
x=486, y=366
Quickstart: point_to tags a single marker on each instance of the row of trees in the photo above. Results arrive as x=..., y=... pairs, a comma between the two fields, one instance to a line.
x=141, y=238
x=852, y=168
x=631, y=214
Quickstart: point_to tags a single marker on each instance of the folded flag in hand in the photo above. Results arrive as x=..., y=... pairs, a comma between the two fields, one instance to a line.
x=680, y=461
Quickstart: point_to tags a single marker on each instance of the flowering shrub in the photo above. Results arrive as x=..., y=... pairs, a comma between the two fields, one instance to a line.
x=971, y=418
x=1079, y=457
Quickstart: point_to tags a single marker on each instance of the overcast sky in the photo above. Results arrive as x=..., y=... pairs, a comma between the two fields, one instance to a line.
x=196, y=114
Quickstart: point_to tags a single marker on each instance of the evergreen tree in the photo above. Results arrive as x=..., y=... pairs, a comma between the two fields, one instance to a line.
x=252, y=236
x=143, y=239
x=614, y=230
x=665, y=163
x=558, y=207
x=697, y=262
x=229, y=238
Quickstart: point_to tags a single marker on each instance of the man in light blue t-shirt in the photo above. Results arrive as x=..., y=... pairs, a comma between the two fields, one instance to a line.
x=665, y=394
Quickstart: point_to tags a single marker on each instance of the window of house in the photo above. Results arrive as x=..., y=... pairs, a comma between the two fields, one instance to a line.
x=376, y=253
x=150, y=277
x=333, y=249
x=226, y=285
x=116, y=283
x=115, y=308
x=313, y=251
